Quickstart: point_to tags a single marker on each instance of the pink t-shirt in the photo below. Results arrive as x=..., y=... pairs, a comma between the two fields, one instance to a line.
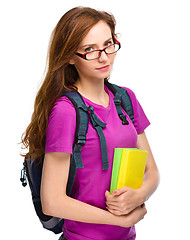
x=91, y=182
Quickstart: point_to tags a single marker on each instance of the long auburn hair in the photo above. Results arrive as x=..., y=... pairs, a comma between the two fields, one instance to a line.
x=65, y=39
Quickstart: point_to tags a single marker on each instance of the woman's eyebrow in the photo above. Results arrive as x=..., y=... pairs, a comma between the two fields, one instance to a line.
x=93, y=44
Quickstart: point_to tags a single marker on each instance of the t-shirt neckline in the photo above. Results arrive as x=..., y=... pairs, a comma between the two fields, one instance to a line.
x=90, y=103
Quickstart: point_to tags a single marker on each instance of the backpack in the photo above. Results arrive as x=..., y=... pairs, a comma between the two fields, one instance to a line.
x=32, y=170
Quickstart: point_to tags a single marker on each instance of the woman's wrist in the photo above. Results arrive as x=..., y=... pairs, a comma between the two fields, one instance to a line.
x=149, y=186
x=118, y=220
x=130, y=219
x=125, y=221
x=141, y=195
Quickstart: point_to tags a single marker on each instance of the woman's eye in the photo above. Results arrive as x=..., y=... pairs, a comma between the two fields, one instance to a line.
x=108, y=43
x=89, y=49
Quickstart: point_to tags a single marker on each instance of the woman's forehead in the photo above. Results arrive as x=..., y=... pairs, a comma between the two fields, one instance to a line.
x=98, y=34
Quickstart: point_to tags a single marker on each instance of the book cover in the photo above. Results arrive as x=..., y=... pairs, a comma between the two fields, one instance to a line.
x=115, y=168
x=128, y=168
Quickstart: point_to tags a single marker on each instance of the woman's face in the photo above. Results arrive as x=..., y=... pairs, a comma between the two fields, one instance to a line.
x=97, y=38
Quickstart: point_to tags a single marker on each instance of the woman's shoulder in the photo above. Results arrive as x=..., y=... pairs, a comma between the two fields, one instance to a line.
x=131, y=94
x=61, y=127
x=63, y=104
x=140, y=119
x=129, y=91
x=62, y=108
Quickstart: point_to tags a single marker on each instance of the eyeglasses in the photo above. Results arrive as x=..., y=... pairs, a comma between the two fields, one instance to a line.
x=111, y=49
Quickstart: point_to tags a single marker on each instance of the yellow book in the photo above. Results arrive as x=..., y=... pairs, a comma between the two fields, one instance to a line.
x=132, y=168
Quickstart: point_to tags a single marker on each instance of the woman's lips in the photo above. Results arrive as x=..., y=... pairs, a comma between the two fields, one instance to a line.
x=105, y=68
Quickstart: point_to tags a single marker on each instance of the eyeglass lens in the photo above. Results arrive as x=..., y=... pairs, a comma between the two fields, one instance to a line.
x=109, y=50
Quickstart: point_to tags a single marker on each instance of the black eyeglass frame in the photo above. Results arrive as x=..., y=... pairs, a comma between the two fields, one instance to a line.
x=100, y=51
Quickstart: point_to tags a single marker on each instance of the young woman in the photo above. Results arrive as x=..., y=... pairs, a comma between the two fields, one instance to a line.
x=81, y=55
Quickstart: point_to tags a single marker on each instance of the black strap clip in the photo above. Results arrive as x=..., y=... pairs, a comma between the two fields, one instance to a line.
x=117, y=101
x=81, y=140
x=23, y=177
x=124, y=119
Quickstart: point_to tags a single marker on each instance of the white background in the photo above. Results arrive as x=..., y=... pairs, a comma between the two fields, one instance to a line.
x=154, y=62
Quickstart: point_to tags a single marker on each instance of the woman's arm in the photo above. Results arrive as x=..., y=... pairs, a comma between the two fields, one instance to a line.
x=126, y=199
x=151, y=172
x=56, y=203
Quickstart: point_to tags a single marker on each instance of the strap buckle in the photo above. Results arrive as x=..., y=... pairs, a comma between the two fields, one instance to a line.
x=117, y=101
x=81, y=140
x=124, y=119
x=91, y=109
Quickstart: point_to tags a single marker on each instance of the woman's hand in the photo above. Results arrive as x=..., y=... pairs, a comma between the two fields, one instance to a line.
x=133, y=217
x=123, y=201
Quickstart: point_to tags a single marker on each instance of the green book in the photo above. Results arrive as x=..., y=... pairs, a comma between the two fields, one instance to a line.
x=115, y=168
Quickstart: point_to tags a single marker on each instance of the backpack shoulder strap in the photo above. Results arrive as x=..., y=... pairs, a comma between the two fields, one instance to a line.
x=122, y=99
x=83, y=112
x=82, y=120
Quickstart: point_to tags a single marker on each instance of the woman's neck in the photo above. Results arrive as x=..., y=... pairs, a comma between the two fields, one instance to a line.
x=94, y=91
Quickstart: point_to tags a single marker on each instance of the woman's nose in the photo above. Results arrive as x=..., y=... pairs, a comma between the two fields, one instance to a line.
x=103, y=57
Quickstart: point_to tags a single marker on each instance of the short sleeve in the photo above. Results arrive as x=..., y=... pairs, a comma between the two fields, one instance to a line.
x=60, y=132
x=141, y=121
